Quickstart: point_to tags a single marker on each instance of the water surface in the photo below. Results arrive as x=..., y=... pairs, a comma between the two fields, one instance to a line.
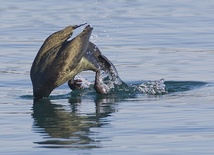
x=146, y=41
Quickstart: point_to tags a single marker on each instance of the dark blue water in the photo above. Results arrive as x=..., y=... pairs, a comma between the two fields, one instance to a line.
x=145, y=41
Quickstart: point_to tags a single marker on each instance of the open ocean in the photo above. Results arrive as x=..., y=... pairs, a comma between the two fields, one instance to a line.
x=145, y=40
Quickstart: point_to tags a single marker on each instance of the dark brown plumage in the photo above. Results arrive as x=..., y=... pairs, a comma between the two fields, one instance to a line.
x=57, y=60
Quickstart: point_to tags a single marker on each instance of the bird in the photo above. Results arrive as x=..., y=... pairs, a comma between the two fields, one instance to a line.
x=57, y=60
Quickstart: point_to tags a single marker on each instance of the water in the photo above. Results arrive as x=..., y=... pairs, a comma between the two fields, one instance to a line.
x=146, y=41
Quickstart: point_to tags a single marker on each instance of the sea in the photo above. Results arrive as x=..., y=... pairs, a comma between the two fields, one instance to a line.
x=146, y=41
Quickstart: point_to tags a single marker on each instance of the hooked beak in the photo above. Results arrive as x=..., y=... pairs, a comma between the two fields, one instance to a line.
x=76, y=26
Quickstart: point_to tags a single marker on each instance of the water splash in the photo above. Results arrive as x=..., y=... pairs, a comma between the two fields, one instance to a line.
x=153, y=87
x=115, y=84
x=83, y=82
x=157, y=87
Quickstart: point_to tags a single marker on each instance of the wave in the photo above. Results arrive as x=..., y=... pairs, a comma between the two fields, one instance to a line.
x=131, y=89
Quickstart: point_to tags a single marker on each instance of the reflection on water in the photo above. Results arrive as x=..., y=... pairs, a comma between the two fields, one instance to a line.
x=66, y=126
x=70, y=128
